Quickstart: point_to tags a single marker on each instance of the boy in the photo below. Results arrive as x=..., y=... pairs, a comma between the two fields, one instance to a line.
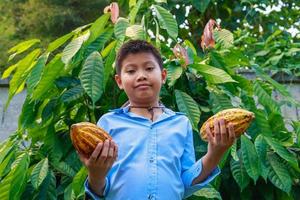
x=152, y=153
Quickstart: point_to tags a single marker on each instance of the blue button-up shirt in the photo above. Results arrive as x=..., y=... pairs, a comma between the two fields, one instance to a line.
x=156, y=160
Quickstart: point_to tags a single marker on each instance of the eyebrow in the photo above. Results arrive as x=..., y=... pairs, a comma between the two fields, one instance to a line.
x=134, y=65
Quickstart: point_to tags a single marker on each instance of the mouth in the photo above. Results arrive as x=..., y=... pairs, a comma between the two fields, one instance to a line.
x=143, y=86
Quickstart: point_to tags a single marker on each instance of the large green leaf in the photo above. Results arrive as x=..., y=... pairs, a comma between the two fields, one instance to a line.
x=50, y=73
x=97, y=28
x=219, y=102
x=282, y=151
x=72, y=94
x=200, y=5
x=23, y=46
x=278, y=174
x=261, y=147
x=24, y=67
x=134, y=11
x=73, y=47
x=47, y=190
x=58, y=42
x=12, y=184
x=208, y=192
x=120, y=28
x=5, y=165
x=28, y=114
x=250, y=158
x=264, y=98
x=108, y=66
x=189, y=106
x=239, y=172
x=282, y=89
x=166, y=21
x=212, y=74
x=36, y=72
x=173, y=73
x=224, y=38
x=39, y=173
x=261, y=122
x=135, y=32
x=8, y=71
x=91, y=76
x=78, y=181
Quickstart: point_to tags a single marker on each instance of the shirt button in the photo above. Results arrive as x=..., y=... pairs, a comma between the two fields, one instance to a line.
x=151, y=160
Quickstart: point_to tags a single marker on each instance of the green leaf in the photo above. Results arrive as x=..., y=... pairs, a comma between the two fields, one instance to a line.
x=78, y=181
x=135, y=32
x=239, y=173
x=47, y=189
x=39, y=173
x=166, y=21
x=72, y=94
x=36, y=72
x=24, y=67
x=264, y=98
x=58, y=42
x=224, y=38
x=51, y=72
x=281, y=88
x=173, y=73
x=233, y=151
x=261, y=122
x=134, y=11
x=5, y=149
x=219, y=101
x=91, y=76
x=108, y=66
x=6, y=163
x=189, y=106
x=250, y=158
x=11, y=185
x=99, y=43
x=282, y=151
x=212, y=74
x=73, y=47
x=23, y=46
x=28, y=114
x=261, y=147
x=278, y=174
x=120, y=28
x=8, y=71
x=201, y=5
x=97, y=28
x=208, y=192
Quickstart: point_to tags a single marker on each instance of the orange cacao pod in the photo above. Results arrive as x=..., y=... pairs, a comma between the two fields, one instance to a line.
x=85, y=136
x=240, y=119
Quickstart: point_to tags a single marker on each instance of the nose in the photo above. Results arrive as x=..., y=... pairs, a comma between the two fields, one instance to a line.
x=141, y=76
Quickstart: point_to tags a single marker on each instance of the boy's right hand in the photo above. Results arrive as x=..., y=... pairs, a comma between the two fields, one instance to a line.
x=101, y=160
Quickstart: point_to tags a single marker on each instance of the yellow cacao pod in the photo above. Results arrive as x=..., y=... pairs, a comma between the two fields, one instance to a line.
x=85, y=136
x=240, y=119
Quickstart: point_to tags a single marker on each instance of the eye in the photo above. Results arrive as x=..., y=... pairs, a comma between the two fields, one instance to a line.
x=150, y=68
x=130, y=71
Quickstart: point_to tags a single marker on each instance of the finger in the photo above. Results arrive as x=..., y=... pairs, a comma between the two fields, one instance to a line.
x=224, y=134
x=116, y=152
x=231, y=132
x=94, y=156
x=208, y=133
x=111, y=150
x=104, y=153
x=217, y=131
x=82, y=158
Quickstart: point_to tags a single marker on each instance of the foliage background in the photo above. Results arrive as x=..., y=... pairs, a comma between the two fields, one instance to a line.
x=59, y=91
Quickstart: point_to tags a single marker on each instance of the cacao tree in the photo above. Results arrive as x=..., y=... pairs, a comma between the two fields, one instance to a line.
x=71, y=80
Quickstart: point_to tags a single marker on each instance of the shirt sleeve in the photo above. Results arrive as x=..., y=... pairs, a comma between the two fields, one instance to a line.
x=91, y=194
x=191, y=169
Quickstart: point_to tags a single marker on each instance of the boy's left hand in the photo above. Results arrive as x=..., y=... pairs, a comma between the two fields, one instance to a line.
x=221, y=139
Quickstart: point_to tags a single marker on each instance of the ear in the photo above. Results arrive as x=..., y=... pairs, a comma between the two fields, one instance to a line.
x=119, y=81
x=164, y=75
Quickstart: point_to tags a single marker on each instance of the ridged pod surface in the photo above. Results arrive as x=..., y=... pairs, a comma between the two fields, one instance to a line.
x=85, y=136
x=240, y=119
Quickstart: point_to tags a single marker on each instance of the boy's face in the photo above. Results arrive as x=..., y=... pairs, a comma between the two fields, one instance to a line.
x=141, y=78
